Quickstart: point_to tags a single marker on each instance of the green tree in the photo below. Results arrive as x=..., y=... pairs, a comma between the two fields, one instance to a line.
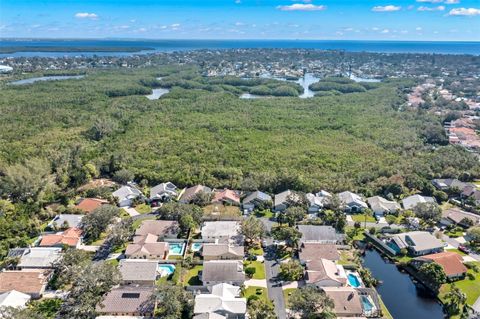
x=202, y=199
x=311, y=303
x=69, y=267
x=291, y=270
x=288, y=234
x=253, y=229
x=292, y=215
x=123, y=176
x=97, y=222
x=456, y=300
x=433, y=274
x=19, y=313
x=474, y=235
x=260, y=309
x=429, y=212
x=174, y=302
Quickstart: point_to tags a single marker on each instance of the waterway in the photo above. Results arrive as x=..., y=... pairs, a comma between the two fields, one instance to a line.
x=47, y=78
x=157, y=93
x=402, y=297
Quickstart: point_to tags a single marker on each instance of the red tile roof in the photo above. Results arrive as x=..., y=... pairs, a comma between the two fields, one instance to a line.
x=69, y=237
x=88, y=205
x=226, y=195
x=452, y=263
x=26, y=281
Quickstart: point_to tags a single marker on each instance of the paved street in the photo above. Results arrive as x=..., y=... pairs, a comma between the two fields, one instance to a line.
x=272, y=269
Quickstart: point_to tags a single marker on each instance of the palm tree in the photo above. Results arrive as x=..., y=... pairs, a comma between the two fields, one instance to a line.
x=457, y=299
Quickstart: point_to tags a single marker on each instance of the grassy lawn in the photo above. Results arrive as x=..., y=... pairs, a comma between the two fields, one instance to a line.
x=286, y=295
x=403, y=259
x=138, y=222
x=259, y=268
x=470, y=287
x=113, y=262
x=346, y=258
x=360, y=236
x=191, y=277
x=260, y=292
x=454, y=250
x=175, y=257
x=385, y=312
x=120, y=249
x=124, y=214
x=258, y=251
x=264, y=213
x=143, y=209
x=221, y=210
x=100, y=240
x=361, y=218
x=454, y=234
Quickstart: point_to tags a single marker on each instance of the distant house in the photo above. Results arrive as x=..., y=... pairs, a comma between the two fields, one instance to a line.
x=351, y=202
x=126, y=194
x=138, y=272
x=411, y=201
x=315, y=203
x=325, y=273
x=346, y=301
x=471, y=192
x=31, y=282
x=418, y=243
x=319, y=234
x=451, y=262
x=222, y=231
x=163, y=192
x=456, y=216
x=71, y=237
x=147, y=247
x=88, y=205
x=450, y=183
x=65, y=221
x=36, y=257
x=222, y=271
x=128, y=301
x=226, y=196
x=255, y=200
x=223, y=302
x=281, y=200
x=14, y=299
x=222, y=251
x=315, y=251
x=381, y=206
x=160, y=228
x=189, y=193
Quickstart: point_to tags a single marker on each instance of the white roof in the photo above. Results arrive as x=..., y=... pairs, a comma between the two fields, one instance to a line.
x=348, y=198
x=14, y=299
x=411, y=201
x=220, y=229
x=378, y=203
x=126, y=192
x=224, y=298
x=39, y=257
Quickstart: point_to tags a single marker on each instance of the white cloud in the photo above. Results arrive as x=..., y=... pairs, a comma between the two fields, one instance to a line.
x=418, y=28
x=301, y=7
x=430, y=1
x=452, y=1
x=464, y=12
x=389, y=8
x=175, y=25
x=439, y=8
x=385, y=31
x=86, y=15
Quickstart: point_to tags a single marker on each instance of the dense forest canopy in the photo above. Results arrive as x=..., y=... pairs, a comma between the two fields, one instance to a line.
x=201, y=132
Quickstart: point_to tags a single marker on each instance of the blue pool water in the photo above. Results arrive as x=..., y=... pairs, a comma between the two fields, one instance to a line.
x=353, y=281
x=196, y=246
x=176, y=248
x=166, y=270
x=366, y=303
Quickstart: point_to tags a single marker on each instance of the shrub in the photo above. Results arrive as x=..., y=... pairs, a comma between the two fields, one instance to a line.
x=250, y=271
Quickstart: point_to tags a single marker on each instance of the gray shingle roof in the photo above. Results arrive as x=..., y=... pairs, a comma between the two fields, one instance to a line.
x=127, y=300
x=138, y=270
x=312, y=233
x=223, y=271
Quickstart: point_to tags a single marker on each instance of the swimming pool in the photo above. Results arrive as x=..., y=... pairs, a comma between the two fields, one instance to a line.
x=367, y=305
x=354, y=281
x=166, y=270
x=196, y=246
x=176, y=248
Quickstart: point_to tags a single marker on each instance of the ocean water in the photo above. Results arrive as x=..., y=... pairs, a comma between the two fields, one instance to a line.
x=472, y=48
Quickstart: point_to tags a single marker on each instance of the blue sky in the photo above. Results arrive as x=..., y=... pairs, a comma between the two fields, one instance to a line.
x=243, y=19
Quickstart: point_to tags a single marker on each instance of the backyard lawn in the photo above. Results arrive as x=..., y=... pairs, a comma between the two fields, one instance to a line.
x=259, y=268
x=470, y=287
x=260, y=292
x=221, y=210
x=360, y=236
x=191, y=276
x=286, y=295
x=361, y=218
x=143, y=209
x=346, y=258
x=257, y=251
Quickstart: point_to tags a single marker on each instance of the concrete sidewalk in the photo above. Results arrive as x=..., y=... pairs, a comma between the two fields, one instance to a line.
x=256, y=283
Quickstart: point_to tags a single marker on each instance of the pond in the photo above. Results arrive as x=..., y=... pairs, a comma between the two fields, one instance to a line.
x=402, y=297
x=358, y=79
x=47, y=78
x=305, y=82
x=157, y=93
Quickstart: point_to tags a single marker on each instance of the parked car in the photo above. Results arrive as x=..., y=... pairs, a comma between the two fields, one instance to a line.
x=464, y=249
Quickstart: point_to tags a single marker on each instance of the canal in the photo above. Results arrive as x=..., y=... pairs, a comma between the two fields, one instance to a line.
x=402, y=298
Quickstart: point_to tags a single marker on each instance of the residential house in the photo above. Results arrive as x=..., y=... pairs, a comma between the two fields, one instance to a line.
x=222, y=271
x=325, y=273
x=190, y=193
x=471, y=192
x=222, y=231
x=450, y=183
x=315, y=203
x=147, y=247
x=319, y=234
x=411, y=201
x=138, y=272
x=125, y=195
x=456, y=216
x=88, y=205
x=315, y=251
x=36, y=257
x=226, y=196
x=351, y=202
x=224, y=301
x=128, y=301
x=346, y=301
x=418, y=243
x=163, y=192
x=161, y=228
x=222, y=251
x=381, y=206
x=31, y=282
x=451, y=262
x=72, y=237
x=255, y=200
x=14, y=299
x=281, y=200
x=64, y=221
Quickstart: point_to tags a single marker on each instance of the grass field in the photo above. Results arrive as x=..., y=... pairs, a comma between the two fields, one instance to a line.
x=361, y=218
x=221, y=210
x=191, y=276
x=259, y=269
x=286, y=295
x=143, y=209
x=260, y=292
